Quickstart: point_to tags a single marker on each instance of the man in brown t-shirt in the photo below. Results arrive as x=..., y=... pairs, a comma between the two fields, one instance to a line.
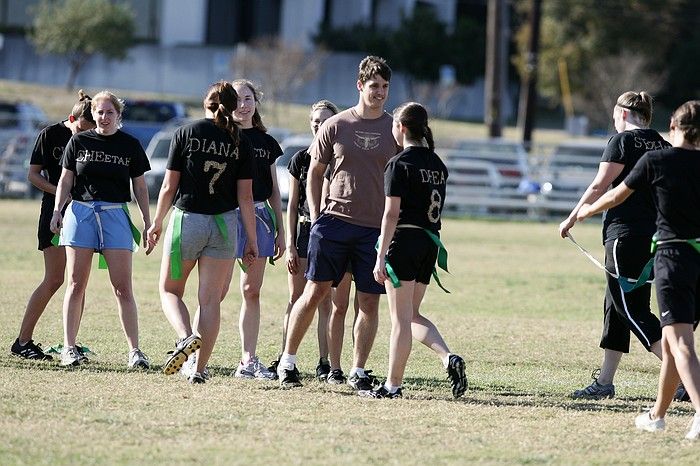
x=356, y=143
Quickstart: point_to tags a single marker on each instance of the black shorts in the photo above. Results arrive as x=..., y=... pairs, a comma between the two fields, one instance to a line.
x=44, y=233
x=625, y=312
x=412, y=255
x=302, y=241
x=677, y=269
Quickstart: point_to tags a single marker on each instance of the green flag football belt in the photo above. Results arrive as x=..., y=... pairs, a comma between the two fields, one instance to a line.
x=441, y=258
x=97, y=210
x=176, y=241
x=631, y=284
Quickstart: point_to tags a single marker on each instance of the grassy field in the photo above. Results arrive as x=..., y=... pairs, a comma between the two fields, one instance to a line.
x=524, y=312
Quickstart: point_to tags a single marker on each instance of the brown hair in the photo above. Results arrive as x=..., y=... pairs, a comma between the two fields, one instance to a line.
x=83, y=108
x=415, y=118
x=371, y=65
x=221, y=100
x=324, y=105
x=686, y=119
x=639, y=103
x=257, y=95
x=116, y=101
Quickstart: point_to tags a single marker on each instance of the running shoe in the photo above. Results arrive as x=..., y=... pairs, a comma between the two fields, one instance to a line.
x=273, y=367
x=289, y=378
x=29, y=350
x=183, y=348
x=368, y=382
x=455, y=373
x=645, y=422
x=138, y=360
x=336, y=377
x=323, y=370
x=190, y=367
x=681, y=394
x=595, y=391
x=380, y=392
x=694, y=429
x=196, y=378
x=70, y=357
x=253, y=369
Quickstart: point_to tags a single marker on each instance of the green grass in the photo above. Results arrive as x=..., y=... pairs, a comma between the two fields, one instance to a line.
x=524, y=311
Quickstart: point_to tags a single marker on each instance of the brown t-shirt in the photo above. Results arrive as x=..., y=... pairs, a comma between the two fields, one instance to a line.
x=357, y=151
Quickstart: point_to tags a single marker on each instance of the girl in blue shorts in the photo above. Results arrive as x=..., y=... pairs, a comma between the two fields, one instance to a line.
x=674, y=177
x=100, y=167
x=414, y=184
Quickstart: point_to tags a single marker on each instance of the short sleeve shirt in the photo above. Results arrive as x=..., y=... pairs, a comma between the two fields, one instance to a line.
x=48, y=150
x=674, y=177
x=265, y=151
x=104, y=165
x=637, y=215
x=357, y=151
x=299, y=168
x=418, y=177
x=210, y=164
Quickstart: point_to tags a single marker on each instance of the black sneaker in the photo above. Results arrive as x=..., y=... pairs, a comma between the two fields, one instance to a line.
x=322, y=370
x=368, y=382
x=596, y=390
x=455, y=373
x=380, y=392
x=183, y=348
x=196, y=378
x=681, y=394
x=82, y=353
x=336, y=377
x=289, y=378
x=30, y=351
x=273, y=368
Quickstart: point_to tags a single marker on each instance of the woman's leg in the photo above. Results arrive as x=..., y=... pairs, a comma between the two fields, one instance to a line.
x=54, y=271
x=171, y=293
x=679, y=361
x=423, y=329
x=296, y=283
x=249, y=321
x=401, y=310
x=119, y=264
x=324, y=315
x=213, y=274
x=78, y=262
x=336, y=324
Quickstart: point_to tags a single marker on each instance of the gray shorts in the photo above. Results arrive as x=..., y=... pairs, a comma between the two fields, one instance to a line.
x=200, y=235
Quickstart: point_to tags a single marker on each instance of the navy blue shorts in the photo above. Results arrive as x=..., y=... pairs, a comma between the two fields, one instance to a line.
x=677, y=282
x=333, y=244
x=44, y=233
x=302, y=241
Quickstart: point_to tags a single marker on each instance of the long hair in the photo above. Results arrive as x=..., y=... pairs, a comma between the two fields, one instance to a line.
x=639, y=103
x=257, y=95
x=221, y=100
x=686, y=119
x=83, y=108
x=415, y=118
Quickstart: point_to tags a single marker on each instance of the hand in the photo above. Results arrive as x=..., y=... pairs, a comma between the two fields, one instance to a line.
x=292, y=260
x=380, y=271
x=583, y=213
x=250, y=253
x=152, y=236
x=565, y=226
x=279, y=247
x=56, y=222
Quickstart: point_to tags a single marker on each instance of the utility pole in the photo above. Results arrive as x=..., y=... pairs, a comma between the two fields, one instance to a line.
x=494, y=64
x=528, y=89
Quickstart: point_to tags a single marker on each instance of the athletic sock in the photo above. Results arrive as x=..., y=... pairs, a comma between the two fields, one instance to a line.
x=287, y=361
x=391, y=388
x=359, y=371
x=446, y=360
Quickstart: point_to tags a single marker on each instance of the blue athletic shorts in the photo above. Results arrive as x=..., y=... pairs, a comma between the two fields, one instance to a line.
x=81, y=228
x=333, y=244
x=264, y=230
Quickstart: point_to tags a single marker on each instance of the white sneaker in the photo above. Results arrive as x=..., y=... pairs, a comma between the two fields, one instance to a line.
x=645, y=422
x=138, y=360
x=70, y=356
x=694, y=431
x=190, y=367
x=253, y=369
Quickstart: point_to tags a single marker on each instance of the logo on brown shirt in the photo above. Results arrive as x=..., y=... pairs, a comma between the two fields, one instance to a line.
x=367, y=141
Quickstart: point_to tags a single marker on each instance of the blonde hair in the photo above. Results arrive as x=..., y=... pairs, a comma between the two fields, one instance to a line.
x=324, y=105
x=116, y=101
x=639, y=103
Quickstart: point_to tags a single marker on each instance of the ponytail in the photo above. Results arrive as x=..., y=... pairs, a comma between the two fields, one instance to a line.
x=415, y=118
x=222, y=100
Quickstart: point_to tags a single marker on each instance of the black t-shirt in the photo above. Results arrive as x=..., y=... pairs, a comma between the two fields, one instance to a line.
x=637, y=215
x=104, y=165
x=265, y=152
x=674, y=177
x=299, y=169
x=47, y=152
x=209, y=164
x=417, y=176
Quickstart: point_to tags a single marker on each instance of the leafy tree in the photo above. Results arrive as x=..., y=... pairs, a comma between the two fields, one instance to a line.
x=79, y=29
